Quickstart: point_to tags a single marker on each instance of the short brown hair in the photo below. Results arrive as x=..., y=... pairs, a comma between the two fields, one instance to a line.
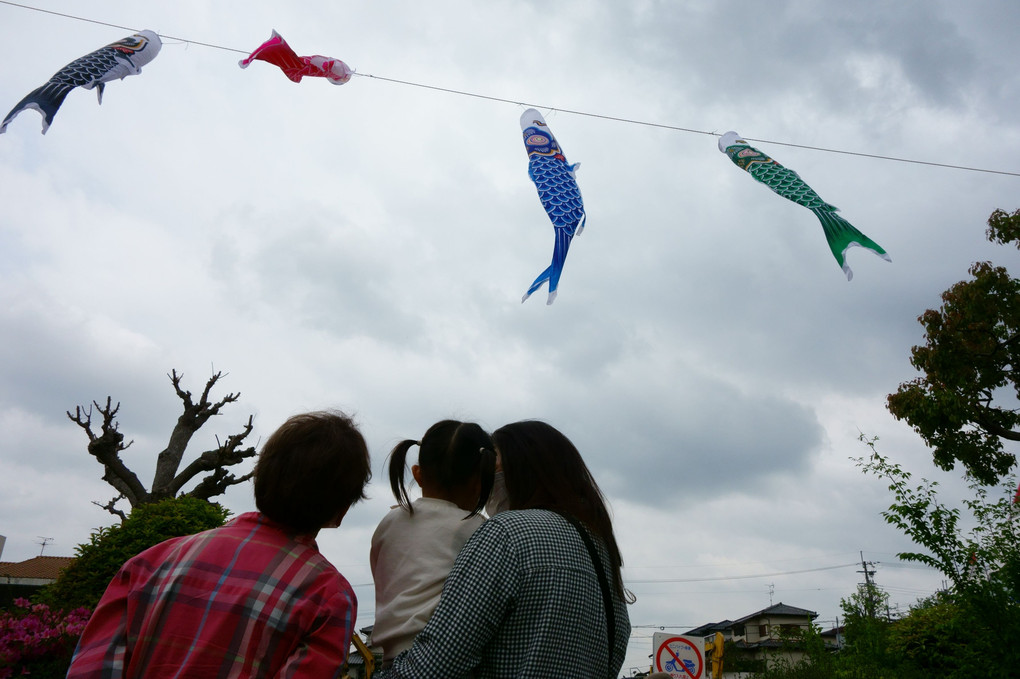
x=313, y=467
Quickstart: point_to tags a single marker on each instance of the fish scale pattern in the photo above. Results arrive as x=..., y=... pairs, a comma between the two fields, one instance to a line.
x=787, y=184
x=840, y=234
x=558, y=191
x=87, y=69
x=115, y=61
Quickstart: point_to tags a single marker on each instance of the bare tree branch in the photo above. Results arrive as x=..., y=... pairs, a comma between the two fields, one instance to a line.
x=194, y=416
x=216, y=483
x=225, y=455
x=83, y=418
x=106, y=444
x=110, y=507
x=106, y=448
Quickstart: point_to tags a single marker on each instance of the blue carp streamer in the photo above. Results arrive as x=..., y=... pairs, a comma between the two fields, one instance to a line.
x=557, y=189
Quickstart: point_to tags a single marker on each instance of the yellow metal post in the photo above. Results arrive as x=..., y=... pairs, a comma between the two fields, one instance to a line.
x=715, y=647
x=365, y=653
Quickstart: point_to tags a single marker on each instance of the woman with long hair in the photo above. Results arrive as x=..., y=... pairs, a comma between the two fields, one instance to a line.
x=536, y=592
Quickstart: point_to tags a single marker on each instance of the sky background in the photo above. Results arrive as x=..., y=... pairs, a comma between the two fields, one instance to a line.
x=365, y=247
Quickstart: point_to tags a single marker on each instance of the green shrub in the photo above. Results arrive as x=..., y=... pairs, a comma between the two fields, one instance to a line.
x=970, y=633
x=97, y=561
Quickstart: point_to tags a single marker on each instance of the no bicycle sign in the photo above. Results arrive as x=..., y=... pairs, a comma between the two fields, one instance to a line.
x=679, y=657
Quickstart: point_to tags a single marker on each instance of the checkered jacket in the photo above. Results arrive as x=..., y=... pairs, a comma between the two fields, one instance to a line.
x=522, y=602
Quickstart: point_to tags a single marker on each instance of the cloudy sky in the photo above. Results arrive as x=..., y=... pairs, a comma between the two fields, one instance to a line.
x=365, y=247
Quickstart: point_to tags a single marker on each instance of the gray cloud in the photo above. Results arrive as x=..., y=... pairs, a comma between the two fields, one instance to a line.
x=366, y=247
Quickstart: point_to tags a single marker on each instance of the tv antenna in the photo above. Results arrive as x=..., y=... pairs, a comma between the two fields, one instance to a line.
x=43, y=542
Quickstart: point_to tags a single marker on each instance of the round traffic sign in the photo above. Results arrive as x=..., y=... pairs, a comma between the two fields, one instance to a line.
x=679, y=657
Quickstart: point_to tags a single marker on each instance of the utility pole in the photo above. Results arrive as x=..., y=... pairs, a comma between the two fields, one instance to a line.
x=869, y=586
x=867, y=572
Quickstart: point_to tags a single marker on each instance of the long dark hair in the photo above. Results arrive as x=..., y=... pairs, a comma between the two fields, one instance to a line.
x=451, y=454
x=543, y=469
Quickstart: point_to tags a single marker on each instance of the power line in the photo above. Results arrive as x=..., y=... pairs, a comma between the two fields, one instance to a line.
x=629, y=581
x=740, y=577
x=125, y=28
x=600, y=116
x=686, y=129
x=731, y=563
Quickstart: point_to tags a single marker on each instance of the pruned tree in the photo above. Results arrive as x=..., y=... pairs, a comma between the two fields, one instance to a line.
x=106, y=443
x=965, y=405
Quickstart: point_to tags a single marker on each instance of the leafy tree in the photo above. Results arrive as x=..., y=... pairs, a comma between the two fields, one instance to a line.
x=866, y=628
x=97, y=561
x=987, y=553
x=1004, y=228
x=971, y=629
x=167, y=482
x=964, y=406
x=933, y=637
x=820, y=662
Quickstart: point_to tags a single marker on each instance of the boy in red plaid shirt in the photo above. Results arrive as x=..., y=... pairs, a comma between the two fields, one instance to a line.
x=253, y=598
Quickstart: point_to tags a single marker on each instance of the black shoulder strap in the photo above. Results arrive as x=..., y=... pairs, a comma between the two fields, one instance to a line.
x=607, y=599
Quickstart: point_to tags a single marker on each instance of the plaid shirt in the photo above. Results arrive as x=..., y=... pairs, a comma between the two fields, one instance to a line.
x=244, y=600
x=522, y=601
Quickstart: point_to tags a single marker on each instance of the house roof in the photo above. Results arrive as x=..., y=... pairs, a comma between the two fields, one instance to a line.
x=709, y=628
x=778, y=609
x=39, y=567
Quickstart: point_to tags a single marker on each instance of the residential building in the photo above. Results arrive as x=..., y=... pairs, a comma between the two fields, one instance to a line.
x=23, y=578
x=763, y=635
x=769, y=624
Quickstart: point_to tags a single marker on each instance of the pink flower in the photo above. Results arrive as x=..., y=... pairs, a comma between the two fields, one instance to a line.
x=32, y=632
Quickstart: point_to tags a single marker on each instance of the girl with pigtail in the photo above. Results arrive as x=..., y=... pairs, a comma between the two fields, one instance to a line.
x=414, y=546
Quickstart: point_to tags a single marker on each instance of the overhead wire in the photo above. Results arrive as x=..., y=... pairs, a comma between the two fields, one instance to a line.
x=124, y=28
x=628, y=581
x=722, y=578
x=589, y=114
x=731, y=563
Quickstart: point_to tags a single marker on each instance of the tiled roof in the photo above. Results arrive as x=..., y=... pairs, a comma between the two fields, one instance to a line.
x=780, y=609
x=709, y=628
x=39, y=567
